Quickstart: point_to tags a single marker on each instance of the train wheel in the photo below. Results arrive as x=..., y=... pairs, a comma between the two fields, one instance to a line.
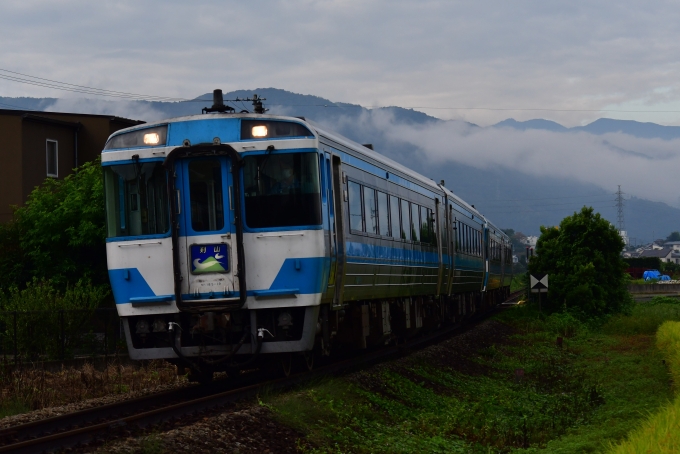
x=309, y=360
x=204, y=377
x=286, y=363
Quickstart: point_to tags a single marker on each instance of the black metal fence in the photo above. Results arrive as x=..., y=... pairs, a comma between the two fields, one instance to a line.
x=59, y=334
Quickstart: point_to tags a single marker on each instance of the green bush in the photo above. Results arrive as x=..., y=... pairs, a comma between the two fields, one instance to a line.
x=59, y=234
x=583, y=260
x=46, y=322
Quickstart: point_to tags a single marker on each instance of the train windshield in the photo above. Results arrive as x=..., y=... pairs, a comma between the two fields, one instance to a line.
x=136, y=199
x=282, y=190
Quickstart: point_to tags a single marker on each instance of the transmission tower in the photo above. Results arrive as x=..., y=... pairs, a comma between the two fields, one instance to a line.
x=620, y=219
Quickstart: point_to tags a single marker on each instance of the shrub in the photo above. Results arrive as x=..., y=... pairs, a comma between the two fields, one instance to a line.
x=41, y=320
x=583, y=260
x=59, y=234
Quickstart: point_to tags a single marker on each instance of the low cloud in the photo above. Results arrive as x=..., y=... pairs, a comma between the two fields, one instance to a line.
x=644, y=167
x=134, y=110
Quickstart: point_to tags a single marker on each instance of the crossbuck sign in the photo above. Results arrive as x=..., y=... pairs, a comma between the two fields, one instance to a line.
x=539, y=283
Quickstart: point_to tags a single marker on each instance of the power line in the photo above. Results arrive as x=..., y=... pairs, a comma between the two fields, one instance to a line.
x=556, y=204
x=529, y=109
x=531, y=210
x=14, y=76
x=49, y=83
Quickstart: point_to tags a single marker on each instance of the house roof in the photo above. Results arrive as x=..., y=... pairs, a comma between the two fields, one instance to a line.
x=34, y=114
x=661, y=253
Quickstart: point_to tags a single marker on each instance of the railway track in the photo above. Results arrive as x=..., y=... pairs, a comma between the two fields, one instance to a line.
x=513, y=298
x=101, y=424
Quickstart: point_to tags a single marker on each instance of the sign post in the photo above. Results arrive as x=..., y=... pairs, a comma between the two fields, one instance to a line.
x=539, y=284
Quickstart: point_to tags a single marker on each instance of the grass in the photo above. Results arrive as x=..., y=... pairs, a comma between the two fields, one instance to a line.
x=644, y=318
x=582, y=397
x=30, y=388
x=660, y=433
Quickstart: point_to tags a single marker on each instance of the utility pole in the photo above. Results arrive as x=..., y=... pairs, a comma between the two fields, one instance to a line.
x=620, y=219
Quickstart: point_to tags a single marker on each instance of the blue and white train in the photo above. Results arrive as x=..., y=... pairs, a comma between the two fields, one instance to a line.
x=236, y=238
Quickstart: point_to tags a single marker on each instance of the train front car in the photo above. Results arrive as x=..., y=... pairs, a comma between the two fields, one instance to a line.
x=216, y=243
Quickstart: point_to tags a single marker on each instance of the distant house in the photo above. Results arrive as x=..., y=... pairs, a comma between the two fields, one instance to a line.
x=673, y=244
x=515, y=259
x=530, y=241
x=38, y=145
x=666, y=254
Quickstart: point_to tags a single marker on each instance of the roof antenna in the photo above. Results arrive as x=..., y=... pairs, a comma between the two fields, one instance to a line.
x=218, y=104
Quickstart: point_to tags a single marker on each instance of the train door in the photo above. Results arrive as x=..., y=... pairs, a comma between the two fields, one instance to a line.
x=452, y=248
x=486, y=258
x=503, y=260
x=338, y=197
x=329, y=222
x=439, y=221
x=207, y=237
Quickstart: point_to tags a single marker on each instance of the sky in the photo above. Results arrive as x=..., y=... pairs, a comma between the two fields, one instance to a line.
x=573, y=61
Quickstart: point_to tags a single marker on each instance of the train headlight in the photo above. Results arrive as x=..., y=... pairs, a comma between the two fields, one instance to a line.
x=152, y=138
x=259, y=131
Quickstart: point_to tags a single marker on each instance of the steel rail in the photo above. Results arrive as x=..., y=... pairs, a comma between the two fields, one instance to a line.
x=200, y=399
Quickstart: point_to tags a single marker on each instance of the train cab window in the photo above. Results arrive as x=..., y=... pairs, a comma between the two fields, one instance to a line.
x=383, y=215
x=282, y=190
x=370, y=211
x=355, y=214
x=415, y=222
x=405, y=221
x=205, y=195
x=136, y=199
x=394, y=217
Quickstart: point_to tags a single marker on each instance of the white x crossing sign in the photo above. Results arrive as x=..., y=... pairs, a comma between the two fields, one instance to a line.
x=539, y=283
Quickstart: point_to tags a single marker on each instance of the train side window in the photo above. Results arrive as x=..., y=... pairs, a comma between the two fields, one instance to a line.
x=458, y=234
x=415, y=222
x=431, y=222
x=425, y=225
x=383, y=214
x=370, y=211
x=355, y=212
x=467, y=239
x=394, y=217
x=405, y=221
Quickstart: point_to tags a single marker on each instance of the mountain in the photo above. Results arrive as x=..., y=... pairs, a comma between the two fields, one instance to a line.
x=599, y=127
x=510, y=198
x=546, y=125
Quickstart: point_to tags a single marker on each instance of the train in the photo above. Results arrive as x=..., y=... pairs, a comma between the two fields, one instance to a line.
x=242, y=239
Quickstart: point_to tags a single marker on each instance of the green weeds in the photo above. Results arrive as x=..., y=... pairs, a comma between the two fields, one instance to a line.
x=522, y=393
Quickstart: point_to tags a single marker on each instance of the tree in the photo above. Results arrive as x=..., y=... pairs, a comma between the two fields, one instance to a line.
x=675, y=236
x=583, y=260
x=59, y=234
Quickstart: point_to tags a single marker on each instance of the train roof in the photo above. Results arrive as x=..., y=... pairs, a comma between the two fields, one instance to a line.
x=322, y=132
x=374, y=155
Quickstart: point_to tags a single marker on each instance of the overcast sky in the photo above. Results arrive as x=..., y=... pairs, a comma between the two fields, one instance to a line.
x=524, y=54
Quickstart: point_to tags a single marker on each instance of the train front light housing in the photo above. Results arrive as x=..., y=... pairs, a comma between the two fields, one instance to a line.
x=148, y=137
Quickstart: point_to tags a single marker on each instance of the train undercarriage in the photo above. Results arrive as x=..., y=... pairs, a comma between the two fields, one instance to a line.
x=209, y=342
